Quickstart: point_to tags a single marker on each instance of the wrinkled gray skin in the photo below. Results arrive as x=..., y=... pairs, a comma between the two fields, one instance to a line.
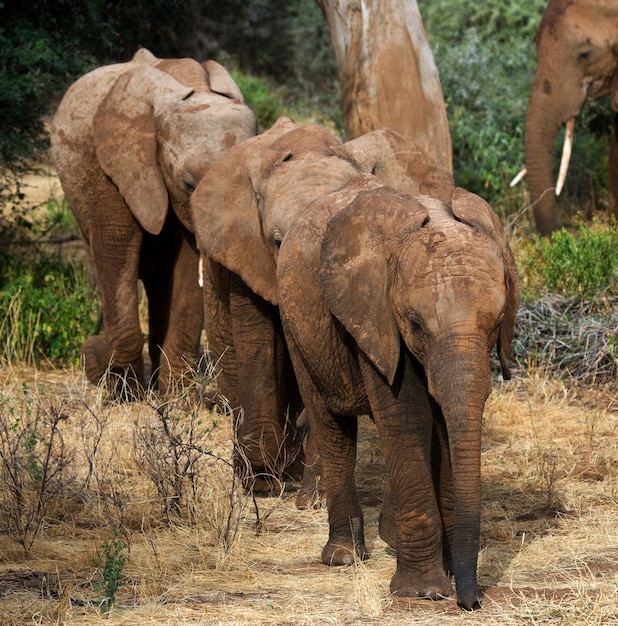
x=391, y=304
x=577, y=60
x=269, y=181
x=130, y=143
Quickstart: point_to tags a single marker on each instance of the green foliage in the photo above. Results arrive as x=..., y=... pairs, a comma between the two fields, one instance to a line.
x=261, y=96
x=110, y=563
x=47, y=310
x=568, y=264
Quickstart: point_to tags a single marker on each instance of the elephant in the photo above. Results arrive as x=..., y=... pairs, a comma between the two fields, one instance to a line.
x=269, y=180
x=391, y=304
x=130, y=142
x=577, y=59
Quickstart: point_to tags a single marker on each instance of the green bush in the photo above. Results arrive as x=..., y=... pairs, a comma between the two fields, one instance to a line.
x=261, y=96
x=47, y=310
x=569, y=264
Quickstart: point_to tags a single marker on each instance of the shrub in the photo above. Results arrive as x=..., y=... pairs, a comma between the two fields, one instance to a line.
x=34, y=462
x=47, y=310
x=569, y=264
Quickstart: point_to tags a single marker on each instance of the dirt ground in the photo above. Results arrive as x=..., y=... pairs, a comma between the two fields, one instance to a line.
x=549, y=551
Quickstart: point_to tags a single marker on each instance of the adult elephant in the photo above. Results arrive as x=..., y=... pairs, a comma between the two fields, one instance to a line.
x=577, y=59
x=391, y=304
x=130, y=142
x=269, y=181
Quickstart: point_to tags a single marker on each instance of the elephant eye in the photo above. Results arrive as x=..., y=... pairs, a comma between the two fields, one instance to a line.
x=415, y=324
x=189, y=185
x=582, y=56
x=277, y=238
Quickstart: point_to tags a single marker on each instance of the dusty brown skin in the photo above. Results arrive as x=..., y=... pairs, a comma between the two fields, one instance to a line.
x=269, y=181
x=387, y=73
x=391, y=304
x=577, y=59
x=130, y=142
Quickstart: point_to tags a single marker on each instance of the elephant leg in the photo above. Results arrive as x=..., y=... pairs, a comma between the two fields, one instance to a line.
x=218, y=324
x=157, y=259
x=180, y=347
x=115, y=243
x=404, y=419
x=335, y=437
x=267, y=392
x=308, y=495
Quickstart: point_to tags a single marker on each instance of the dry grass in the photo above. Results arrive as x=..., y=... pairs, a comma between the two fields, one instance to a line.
x=549, y=530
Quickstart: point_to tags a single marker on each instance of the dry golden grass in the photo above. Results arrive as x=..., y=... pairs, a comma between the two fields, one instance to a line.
x=549, y=530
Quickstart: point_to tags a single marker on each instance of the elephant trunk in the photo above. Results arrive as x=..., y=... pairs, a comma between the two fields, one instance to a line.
x=543, y=121
x=461, y=389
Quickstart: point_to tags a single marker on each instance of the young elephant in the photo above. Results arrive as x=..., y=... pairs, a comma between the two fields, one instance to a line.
x=391, y=304
x=130, y=142
x=269, y=181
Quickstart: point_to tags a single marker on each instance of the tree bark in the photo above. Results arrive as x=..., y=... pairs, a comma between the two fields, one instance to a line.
x=387, y=73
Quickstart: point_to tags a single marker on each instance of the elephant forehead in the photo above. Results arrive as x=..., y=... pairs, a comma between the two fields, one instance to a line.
x=441, y=276
x=295, y=184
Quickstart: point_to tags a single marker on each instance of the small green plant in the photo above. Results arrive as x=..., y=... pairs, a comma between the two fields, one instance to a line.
x=569, y=264
x=110, y=562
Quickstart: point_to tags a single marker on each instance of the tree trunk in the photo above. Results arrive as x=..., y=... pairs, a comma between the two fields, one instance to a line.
x=387, y=73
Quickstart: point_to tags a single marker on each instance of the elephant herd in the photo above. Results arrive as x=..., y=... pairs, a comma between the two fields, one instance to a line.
x=337, y=279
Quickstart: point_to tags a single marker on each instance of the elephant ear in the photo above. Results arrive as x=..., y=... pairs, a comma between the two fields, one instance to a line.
x=399, y=163
x=225, y=209
x=143, y=55
x=474, y=211
x=126, y=144
x=221, y=82
x=355, y=270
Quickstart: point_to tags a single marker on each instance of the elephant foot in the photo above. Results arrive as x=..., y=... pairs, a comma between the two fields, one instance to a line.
x=125, y=384
x=431, y=586
x=346, y=547
x=263, y=472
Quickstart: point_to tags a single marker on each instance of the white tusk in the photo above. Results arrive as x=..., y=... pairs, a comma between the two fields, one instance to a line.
x=519, y=176
x=200, y=275
x=566, y=155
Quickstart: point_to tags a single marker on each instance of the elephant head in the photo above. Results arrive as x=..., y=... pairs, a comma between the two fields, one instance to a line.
x=577, y=59
x=161, y=127
x=271, y=179
x=463, y=244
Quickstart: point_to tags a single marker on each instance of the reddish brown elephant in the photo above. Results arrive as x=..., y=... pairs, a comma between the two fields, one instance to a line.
x=577, y=59
x=391, y=304
x=269, y=181
x=130, y=142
